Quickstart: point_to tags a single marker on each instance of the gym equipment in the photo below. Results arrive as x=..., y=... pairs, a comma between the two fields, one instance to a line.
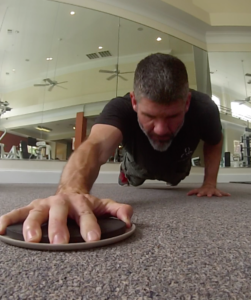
x=39, y=151
x=12, y=154
x=196, y=161
x=112, y=230
x=227, y=156
x=245, y=148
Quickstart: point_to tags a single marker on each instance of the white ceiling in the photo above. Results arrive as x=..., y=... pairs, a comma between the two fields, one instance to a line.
x=215, y=12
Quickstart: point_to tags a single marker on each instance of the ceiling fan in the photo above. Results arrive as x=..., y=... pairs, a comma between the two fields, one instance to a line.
x=116, y=73
x=51, y=83
x=4, y=107
x=248, y=98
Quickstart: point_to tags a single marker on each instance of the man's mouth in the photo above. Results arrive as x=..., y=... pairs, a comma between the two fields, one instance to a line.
x=161, y=139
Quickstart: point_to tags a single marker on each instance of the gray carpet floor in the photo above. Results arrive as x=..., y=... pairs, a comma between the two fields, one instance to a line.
x=183, y=248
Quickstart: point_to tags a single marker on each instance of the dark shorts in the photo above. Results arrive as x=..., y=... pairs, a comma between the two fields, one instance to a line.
x=137, y=175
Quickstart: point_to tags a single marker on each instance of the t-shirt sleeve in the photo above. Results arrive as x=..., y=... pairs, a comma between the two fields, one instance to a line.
x=116, y=113
x=211, y=131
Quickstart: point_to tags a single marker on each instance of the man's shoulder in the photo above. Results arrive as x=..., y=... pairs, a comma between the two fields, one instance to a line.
x=121, y=100
x=199, y=96
x=201, y=101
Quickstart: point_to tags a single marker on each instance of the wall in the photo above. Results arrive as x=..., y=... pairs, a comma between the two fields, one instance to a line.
x=10, y=140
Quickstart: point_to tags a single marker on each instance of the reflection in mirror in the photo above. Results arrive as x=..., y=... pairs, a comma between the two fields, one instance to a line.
x=62, y=65
x=137, y=41
x=66, y=64
x=20, y=44
x=231, y=88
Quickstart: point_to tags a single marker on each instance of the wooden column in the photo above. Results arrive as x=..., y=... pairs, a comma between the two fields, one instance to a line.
x=80, y=130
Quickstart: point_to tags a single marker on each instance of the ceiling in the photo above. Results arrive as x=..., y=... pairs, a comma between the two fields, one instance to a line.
x=217, y=13
x=62, y=129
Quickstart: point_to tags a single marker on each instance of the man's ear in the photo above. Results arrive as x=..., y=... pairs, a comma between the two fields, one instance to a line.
x=188, y=101
x=133, y=101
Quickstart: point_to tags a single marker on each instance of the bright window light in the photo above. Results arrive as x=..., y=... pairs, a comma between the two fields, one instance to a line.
x=241, y=111
x=216, y=101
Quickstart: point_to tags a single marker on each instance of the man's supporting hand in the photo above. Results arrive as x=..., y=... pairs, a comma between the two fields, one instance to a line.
x=207, y=190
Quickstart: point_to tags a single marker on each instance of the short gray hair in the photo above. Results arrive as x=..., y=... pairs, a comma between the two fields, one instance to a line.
x=161, y=78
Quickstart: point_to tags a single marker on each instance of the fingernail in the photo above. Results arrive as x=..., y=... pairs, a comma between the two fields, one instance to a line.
x=59, y=239
x=92, y=236
x=127, y=221
x=32, y=234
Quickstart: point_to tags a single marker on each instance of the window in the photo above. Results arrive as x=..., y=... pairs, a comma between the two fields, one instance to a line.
x=216, y=100
x=241, y=111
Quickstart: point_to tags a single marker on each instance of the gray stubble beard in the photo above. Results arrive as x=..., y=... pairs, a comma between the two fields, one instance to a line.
x=161, y=147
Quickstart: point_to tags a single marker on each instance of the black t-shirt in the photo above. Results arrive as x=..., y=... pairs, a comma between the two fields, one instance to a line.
x=202, y=122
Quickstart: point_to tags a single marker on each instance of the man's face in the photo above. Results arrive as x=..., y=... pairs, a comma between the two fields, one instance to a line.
x=160, y=122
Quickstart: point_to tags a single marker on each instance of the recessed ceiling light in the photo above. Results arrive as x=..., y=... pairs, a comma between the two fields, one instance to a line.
x=140, y=29
x=100, y=47
x=159, y=39
x=74, y=127
x=49, y=58
x=72, y=13
x=14, y=70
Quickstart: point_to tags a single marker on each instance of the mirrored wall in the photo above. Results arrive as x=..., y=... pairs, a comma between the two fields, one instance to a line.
x=57, y=60
x=231, y=89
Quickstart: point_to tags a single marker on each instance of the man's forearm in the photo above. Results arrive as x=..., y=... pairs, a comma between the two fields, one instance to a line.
x=212, y=157
x=81, y=170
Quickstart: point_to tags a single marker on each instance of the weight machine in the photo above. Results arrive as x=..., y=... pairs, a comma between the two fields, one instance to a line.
x=245, y=147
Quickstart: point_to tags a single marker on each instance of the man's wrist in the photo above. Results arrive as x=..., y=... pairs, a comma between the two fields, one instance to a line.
x=209, y=183
x=62, y=189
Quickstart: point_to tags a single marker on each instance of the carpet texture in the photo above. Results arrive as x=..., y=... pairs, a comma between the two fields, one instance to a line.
x=185, y=248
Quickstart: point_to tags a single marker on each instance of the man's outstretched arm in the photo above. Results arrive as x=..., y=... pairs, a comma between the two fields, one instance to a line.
x=72, y=198
x=212, y=157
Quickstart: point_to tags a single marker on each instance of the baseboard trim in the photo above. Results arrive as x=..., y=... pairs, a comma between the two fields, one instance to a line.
x=53, y=177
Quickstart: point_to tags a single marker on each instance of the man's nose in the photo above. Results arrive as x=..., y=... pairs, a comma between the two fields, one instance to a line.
x=161, y=128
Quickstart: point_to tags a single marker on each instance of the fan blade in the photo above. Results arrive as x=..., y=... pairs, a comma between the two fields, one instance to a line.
x=62, y=82
x=249, y=82
x=123, y=78
x=50, y=81
x=242, y=101
x=248, y=74
x=111, y=77
x=62, y=87
x=107, y=71
x=51, y=87
x=43, y=84
x=126, y=72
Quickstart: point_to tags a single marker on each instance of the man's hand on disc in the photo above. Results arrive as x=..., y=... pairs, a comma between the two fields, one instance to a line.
x=83, y=208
